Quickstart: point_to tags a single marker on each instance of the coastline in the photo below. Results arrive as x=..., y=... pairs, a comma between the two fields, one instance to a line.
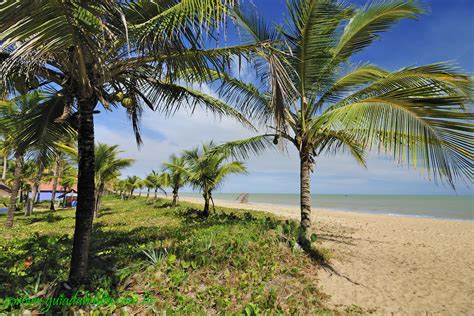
x=390, y=264
x=419, y=206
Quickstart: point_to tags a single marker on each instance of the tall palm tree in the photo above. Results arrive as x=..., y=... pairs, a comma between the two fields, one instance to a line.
x=132, y=53
x=175, y=176
x=207, y=168
x=107, y=168
x=416, y=114
x=155, y=181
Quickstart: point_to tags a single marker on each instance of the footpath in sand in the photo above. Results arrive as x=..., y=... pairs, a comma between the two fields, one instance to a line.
x=391, y=265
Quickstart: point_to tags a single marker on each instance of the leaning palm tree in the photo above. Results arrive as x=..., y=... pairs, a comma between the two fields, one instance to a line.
x=175, y=176
x=416, y=114
x=109, y=53
x=207, y=168
x=107, y=168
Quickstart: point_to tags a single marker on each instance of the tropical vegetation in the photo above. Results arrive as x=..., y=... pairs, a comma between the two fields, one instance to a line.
x=207, y=168
x=325, y=103
x=63, y=62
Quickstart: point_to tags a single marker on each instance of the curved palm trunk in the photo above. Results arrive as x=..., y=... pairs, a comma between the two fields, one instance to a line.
x=212, y=200
x=85, y=188
x=305, y=193
x=15, y=189
x=55, y=183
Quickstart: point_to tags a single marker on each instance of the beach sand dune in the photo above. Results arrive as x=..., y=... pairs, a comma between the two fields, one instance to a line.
x=391, y=265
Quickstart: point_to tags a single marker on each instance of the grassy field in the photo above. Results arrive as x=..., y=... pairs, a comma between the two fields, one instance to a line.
x=232, y=262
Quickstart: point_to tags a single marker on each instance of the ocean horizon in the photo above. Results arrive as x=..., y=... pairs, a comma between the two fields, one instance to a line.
x=460, y=207
x=456, y=207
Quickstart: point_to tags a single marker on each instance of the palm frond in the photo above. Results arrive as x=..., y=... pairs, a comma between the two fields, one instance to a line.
x=245, y=148
x=171, y=97
x=416, y=127
x=368, y=22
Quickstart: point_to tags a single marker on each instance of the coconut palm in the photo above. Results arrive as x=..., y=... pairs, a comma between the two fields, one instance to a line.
x=132, y=53
x=107, y=168
x=121, y=187
x=24, y=119
x=156, y=182
x=175, y=176
x=207, y=169
x=132, y=183
x=68, y=179
x=416, y=114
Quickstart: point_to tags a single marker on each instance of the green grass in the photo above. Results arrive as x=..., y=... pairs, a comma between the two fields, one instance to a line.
x=235, y=261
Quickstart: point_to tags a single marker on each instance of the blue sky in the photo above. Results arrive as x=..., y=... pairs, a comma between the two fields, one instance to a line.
x=446, y=33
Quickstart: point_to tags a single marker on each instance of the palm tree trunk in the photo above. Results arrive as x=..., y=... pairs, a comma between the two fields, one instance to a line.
x=206, y=204
x=38, y=195
x=4, y=171
x=14, y=194
x=27, y=202
x=56, y=175
x=156, y=193
x=35, y=194
x=175, y=198
x=85, y=188
x=213, y=205
x=305, y=192
x=148, y=193
x=99, y=193
x=20, y=189
x=64, y=196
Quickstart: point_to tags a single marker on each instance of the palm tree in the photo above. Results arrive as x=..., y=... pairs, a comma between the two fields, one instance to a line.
x=207, y=168
x=175, y=176
x=155, y=181
x=25, y=118
x=132, y=183
x=132, y=53
x=121, y=187
x=416, y=114
x=38, y=172
x=107, y=168
x=68, y=179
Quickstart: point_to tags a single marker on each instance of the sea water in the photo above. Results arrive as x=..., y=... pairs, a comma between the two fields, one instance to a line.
x=435, y=206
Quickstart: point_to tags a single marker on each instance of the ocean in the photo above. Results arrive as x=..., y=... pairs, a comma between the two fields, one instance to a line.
x=434, y=206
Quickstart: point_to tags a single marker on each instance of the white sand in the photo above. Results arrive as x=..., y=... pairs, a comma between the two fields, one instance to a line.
x=389, y=264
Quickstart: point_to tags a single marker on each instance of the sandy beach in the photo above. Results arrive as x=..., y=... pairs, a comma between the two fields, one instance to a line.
x=391, y=265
